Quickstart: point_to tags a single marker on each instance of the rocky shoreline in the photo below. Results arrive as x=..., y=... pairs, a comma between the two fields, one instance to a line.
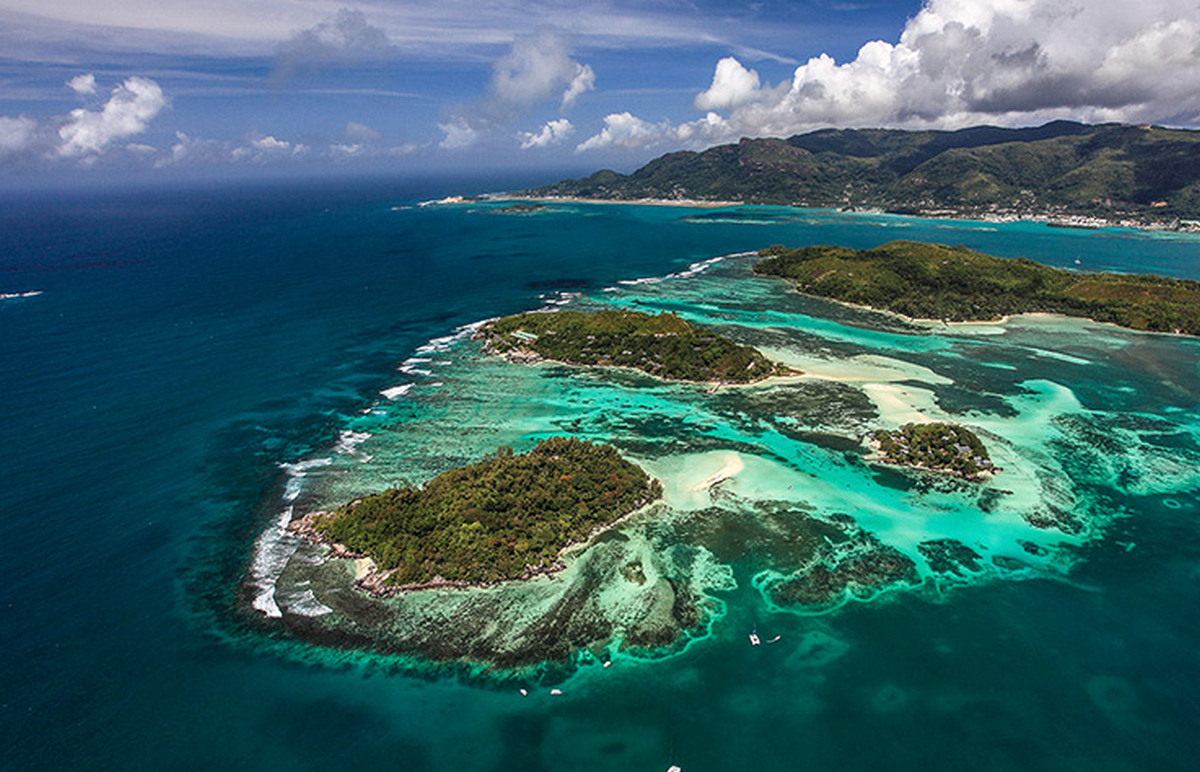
x=375, y=581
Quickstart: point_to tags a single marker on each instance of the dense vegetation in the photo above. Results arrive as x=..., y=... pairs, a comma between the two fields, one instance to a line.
x=663, y=345
x=505, y=517
x=1062, y=166
x=938, y=446
x=932, y=281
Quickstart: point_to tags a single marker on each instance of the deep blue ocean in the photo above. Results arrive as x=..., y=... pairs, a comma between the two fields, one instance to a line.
x=188, y=341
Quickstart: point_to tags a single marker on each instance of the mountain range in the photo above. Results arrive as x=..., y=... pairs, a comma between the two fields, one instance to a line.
x=1061, y=167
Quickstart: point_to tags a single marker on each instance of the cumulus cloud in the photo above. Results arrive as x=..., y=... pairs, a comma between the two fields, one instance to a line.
x=537, y=69
x=583, y=82
x=187, y=149
x=552, y=133
x=345, y=36
x=86, y=133
x=622, y=130
x=270, y=144
x=199, y=151
x=459, y=133
x=83, y=85
x=732, y=85
x=967, y=61
x=964, y=62
x=128, y=111
x=16, y=135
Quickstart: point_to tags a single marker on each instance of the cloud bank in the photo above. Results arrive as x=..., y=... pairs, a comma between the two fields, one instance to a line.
x=128, y=112
x=84, y=133
x=344, y=37
x=964, y=62
x=537, y=69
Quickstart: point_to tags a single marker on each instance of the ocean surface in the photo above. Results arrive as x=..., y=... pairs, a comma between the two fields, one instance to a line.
x=200, y=362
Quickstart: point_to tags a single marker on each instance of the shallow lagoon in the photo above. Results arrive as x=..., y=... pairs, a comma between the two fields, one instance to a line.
x=765, y=480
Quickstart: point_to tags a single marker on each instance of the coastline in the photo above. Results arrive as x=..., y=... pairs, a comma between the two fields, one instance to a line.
x=1069, y=221
x=524, y=356
x=369, y=578
x=879, y=458
x=679, y=202
x=933, y=325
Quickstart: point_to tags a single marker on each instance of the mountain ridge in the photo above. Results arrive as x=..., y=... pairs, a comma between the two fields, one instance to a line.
x=1062, y=167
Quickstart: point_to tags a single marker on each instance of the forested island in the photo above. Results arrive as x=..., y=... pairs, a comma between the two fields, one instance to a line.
x=938, y=447
x=505, y=517
x=662, y=345
x=933, y=281
x=1105, y=173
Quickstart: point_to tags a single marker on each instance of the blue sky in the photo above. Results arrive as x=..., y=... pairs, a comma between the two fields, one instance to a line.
x=119, y=87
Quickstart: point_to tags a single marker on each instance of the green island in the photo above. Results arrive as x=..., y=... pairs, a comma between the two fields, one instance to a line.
x=932, y=281
x=662, y=345
x=938, y=447
x=505, y=517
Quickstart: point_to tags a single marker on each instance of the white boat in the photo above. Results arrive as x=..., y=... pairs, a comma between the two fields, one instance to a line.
x=776, y=638
x=674, y=768
x=556, y=692
x=754, y=641
x=524, y=692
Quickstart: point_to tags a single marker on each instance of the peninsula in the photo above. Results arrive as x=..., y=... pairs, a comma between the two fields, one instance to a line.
x=662, y=345
x=933, y=281
x=506, y=517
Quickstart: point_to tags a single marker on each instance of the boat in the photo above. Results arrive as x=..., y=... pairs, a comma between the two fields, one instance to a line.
x=776, y=638
x=556, y=692
x=754, y=641
x=674, y=768
x=524, y=692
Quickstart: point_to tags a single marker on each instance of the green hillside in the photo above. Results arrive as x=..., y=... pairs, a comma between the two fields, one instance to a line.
x=505, y=517
x=1062, y=167
x=933, y=281
x=662, y=345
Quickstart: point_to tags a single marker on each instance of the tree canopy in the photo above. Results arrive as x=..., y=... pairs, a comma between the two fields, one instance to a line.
x=933, y=281
x=504, y=517
x=663, y=345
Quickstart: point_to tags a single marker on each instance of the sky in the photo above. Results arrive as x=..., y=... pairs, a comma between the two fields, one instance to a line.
x=111, y=88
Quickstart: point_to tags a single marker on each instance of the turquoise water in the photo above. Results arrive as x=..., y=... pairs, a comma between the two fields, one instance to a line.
x=199, y=362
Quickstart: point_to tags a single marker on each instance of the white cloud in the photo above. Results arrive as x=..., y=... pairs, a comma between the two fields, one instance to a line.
x=462, y=30
x=186, y=148
x=128, y=111
x=732, y=85
x=359, y=132
x=16, y=135
x=83, y=85
x=459, y=134
x=622, y=130
x=963, y=62
x=552, y=133
x=408, y=148
x=270, y=144
x=537, y=68
x=583, y=82
x=345, y=36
